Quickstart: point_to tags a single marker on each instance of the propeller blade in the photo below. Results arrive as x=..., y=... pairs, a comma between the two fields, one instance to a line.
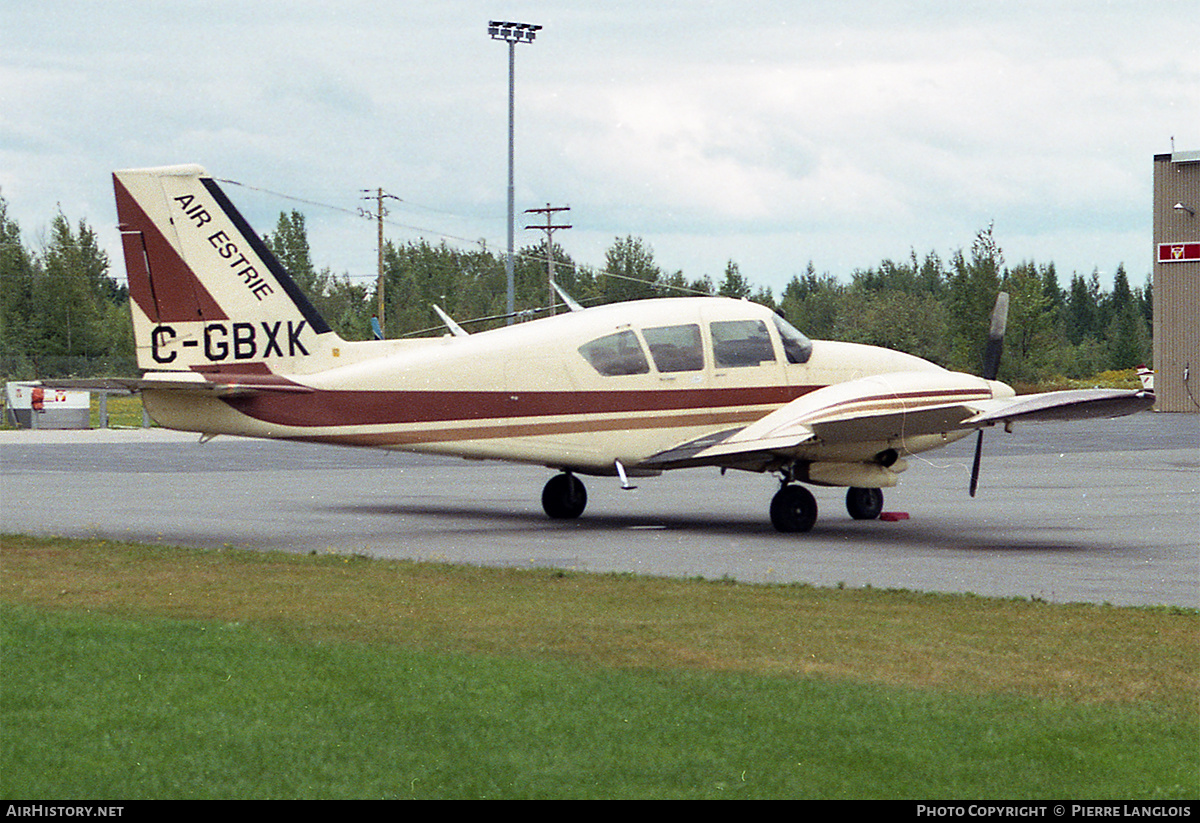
x=995, y=342
x=975, y=465
x=996, y=337
x=991, y=367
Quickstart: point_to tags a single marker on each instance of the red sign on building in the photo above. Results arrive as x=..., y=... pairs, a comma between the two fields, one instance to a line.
x=1178, y=252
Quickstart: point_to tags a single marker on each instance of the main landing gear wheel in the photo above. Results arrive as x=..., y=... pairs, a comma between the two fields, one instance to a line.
x=793, y=509
x=864, y=504
x=564, y=497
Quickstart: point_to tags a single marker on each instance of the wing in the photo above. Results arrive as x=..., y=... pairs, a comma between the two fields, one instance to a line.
x=856, y=422
x=1079, y=404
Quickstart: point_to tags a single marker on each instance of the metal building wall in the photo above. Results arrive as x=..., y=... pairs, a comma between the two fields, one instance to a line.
x=1177, y=284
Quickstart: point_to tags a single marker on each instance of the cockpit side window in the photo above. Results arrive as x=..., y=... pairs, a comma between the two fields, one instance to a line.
x=616, y=354
x=738, y=343
x=675, y=348
x=796, y=347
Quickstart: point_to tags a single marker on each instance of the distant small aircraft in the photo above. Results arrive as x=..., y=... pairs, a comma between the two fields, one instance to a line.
x=230, y=345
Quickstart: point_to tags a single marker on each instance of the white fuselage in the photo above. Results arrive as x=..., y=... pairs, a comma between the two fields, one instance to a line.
x=577, y=391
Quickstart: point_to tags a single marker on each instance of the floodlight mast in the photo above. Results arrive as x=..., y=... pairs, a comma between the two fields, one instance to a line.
x=511, y=33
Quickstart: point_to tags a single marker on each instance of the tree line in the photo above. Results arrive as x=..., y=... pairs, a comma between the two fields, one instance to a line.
x=61, y=313
x=941, y=310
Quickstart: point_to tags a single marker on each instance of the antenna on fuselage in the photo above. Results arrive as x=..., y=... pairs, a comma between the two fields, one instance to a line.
x=571, y=302
x=455, y=329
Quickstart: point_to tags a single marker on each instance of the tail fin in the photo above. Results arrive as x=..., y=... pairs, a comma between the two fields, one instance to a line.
x=206, y=293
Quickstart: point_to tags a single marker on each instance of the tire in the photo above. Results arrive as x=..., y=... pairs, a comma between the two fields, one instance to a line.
x=564, y=497
x=864, y=504
x=793, y=509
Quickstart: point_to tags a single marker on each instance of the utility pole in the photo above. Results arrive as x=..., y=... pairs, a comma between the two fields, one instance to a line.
x=378, y=216
x=549, y=229
x=511, y=33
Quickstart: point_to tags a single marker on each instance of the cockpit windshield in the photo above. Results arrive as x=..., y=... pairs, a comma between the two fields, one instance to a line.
x=796, y=346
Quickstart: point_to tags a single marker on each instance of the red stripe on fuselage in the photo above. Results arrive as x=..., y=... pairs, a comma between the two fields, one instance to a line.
x=455, y=434
x=376, y=408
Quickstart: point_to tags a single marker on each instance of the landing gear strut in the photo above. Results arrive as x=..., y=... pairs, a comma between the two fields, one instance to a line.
x=864, y=504
x=564, y=497
x=793, y=509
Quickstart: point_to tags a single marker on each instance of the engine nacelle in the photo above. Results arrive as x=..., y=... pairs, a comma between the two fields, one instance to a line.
x=858, y=475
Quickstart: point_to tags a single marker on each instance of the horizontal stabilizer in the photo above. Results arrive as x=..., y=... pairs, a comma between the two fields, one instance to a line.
x=190, y=382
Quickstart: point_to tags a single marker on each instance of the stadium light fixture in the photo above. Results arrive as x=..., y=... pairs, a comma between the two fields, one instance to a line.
x=511, y=33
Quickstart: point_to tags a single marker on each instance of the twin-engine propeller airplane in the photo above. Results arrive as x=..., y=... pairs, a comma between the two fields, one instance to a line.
x=231, y=346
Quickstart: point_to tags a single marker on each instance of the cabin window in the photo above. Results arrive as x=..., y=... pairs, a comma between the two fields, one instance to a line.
x=739, y=343
x=675, y=348
x=616, y=354
x=796, y=347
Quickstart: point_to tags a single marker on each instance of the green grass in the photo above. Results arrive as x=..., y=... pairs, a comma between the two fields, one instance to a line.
x=103, y=707
x=142, y=672
x=124, y=412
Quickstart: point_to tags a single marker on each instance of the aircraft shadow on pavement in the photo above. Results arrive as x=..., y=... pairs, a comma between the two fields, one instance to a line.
x=931, y=535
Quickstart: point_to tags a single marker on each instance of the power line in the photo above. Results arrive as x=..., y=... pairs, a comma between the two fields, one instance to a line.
x=482, y=243
x=356, y=212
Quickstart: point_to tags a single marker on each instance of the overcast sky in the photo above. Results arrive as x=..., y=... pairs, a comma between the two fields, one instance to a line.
x=768, y=133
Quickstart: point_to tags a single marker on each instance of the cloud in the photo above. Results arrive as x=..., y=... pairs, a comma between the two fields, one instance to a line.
x=770, y=133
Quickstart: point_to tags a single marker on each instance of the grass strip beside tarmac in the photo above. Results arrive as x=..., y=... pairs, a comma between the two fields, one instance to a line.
x=137, y=671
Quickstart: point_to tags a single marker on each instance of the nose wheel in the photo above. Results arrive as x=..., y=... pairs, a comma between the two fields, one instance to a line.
x=564, y=497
